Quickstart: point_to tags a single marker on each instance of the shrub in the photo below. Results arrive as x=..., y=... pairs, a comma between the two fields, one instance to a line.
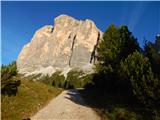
x=123, y=114
x=56, y=79
x=7, y=71
x=136, y=71
x=73, y=78
x=87, y=80
x=78, y=79
x=46, y=79
x=9, y=86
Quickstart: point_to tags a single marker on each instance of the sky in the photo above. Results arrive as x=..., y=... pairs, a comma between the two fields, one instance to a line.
x=20, y=20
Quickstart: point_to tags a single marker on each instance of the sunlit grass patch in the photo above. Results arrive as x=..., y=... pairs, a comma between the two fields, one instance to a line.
x=31, y=96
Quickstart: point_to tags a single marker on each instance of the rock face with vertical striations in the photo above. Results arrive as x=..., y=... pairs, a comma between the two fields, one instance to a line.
x=70, y=43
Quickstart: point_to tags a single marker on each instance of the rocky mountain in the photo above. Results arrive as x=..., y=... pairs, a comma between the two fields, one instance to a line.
x=70, y=43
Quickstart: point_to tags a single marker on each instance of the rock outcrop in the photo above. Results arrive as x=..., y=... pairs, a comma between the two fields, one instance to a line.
x=70, y=43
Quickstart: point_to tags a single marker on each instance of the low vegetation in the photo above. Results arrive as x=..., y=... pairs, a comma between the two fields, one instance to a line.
x=9, y=85
x=124, y=69
x=31, y=96
x=20, y=97
x=116, y=107
x=75, y=79
x=78, y=79
x=56, y=79
x=137, y=71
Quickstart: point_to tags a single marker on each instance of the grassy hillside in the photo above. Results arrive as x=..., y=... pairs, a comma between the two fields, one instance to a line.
x=31, y=97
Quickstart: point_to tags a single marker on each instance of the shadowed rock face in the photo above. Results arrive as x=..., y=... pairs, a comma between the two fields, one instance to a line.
x=69, y=43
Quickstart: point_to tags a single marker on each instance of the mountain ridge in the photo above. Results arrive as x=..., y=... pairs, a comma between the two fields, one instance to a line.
x=68, y=44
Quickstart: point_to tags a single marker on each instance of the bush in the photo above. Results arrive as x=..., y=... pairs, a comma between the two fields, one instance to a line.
x=46, y=79
x=56, y=79
x=136, y=71
x=7, y=71
x=9, y=86
x=73, y=78
x=123, y=114
x=79, y=79
x=87, y=80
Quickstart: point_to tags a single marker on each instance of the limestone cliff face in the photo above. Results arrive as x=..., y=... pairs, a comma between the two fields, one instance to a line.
x=68, y=44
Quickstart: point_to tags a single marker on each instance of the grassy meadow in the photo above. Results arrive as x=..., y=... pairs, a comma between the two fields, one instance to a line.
x=31, y=97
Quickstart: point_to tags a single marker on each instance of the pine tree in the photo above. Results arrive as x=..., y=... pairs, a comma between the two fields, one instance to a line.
x=136, y=70
x=151, y=50
x=116, y=45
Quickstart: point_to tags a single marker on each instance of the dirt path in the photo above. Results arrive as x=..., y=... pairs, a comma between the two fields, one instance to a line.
x=69, y=105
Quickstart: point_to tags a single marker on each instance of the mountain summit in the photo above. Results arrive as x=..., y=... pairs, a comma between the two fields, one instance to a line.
x=70, y=43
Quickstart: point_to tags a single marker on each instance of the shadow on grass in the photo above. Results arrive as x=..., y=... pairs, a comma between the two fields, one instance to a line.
x=109, y=106
x=93, y=99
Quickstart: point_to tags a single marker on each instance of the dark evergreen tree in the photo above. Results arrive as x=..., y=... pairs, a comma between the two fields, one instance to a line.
x=7, y=71
x=137, y=72
x=152, y=51
x=157, y=43
x=116, y=45
x=9, y=86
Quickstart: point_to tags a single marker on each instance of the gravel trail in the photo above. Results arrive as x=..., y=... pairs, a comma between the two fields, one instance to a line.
x=69, y=105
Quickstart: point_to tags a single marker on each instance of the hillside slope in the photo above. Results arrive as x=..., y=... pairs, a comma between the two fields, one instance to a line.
x=31, y=97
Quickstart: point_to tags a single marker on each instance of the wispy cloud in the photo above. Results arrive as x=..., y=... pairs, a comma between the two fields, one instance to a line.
x=137, y=14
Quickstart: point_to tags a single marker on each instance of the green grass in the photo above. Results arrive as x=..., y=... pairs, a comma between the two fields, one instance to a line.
x=31, y=97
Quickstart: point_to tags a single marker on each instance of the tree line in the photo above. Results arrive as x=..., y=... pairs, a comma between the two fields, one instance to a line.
x=123, y=67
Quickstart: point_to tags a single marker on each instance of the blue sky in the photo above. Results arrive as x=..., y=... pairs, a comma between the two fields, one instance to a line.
x=21, y=19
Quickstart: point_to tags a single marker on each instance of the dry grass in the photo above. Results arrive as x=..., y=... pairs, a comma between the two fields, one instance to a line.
x=31, y=97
